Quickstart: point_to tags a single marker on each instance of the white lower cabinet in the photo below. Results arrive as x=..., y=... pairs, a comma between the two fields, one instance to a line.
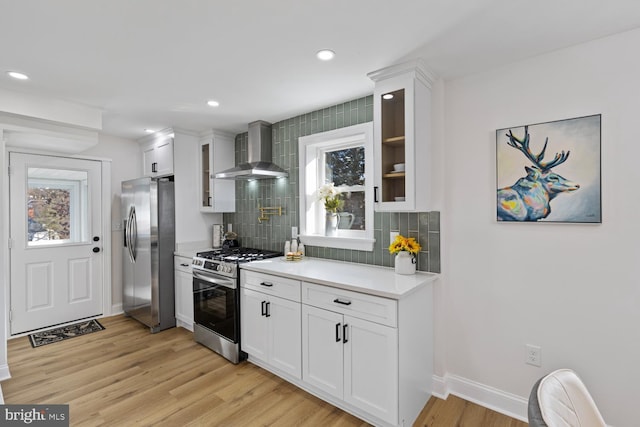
x=184, y=292
x=270, y=330
x=369, y=355
x=352, y=359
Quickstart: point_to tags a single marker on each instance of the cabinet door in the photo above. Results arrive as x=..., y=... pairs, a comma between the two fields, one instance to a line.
x=254, y=327
x=371, y=368
x=184, y=298
x=164, y=157
x=394, y=140
x=148, y=160
x=285, y=335
x=322, y=350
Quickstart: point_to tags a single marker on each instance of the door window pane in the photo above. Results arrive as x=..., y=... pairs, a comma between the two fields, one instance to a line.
x=57, y=206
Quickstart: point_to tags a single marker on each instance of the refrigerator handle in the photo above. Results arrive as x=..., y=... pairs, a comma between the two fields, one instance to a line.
x=127, y=235
x=133, y=240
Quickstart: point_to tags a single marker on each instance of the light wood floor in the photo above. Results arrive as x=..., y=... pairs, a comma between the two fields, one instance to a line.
x=125, y=376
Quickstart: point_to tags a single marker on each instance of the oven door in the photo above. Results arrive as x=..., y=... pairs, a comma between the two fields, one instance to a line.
x=216, y=304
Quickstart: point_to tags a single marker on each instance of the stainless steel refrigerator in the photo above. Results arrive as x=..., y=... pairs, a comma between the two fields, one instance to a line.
x=148, y=212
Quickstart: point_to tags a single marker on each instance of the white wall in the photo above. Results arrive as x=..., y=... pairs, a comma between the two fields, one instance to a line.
x=571, y=289
x=126, y=164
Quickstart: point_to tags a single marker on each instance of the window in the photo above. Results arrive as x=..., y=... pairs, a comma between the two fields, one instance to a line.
x=343, y=157
x=56, y=207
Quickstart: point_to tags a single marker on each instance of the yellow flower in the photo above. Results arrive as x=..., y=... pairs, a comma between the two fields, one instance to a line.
x=402, y=243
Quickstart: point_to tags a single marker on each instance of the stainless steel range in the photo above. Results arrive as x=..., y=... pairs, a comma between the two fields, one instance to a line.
x=216, y=297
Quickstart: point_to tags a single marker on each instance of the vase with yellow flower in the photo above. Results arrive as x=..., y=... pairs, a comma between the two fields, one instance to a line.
x=330, y=197
x=405, y=249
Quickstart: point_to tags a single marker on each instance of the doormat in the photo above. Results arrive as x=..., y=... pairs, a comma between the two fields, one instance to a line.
x=54, y=335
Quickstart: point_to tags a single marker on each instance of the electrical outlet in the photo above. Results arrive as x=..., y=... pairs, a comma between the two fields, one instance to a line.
x=393, y=235
x=294, y=232
x=533, y=355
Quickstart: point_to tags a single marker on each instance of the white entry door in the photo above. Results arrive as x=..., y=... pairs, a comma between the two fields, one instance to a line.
x=56, y=240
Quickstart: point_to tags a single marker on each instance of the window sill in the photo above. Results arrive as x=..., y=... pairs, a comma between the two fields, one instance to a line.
x=354, y=243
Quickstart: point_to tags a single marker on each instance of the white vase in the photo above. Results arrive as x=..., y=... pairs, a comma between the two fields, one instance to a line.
x=331, y=224
x=405, y=263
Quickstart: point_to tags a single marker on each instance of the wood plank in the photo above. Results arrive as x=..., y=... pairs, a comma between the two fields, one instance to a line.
x=126, y=376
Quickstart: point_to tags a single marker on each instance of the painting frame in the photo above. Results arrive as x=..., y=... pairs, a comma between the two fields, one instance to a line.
x=550, y=172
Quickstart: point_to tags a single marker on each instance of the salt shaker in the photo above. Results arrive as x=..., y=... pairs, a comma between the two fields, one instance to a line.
x=287, y=247
x=301, y=248
x=294, y=245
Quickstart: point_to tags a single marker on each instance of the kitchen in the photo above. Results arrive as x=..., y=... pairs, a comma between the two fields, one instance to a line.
x=483, y=317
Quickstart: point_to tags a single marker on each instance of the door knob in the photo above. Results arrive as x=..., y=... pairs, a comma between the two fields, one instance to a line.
x=96, y=238
x=96, y=250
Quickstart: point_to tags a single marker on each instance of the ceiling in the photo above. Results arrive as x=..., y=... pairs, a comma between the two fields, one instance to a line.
x=155, y=63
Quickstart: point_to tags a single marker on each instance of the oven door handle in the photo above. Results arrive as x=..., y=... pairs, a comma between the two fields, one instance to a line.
x=208, y=278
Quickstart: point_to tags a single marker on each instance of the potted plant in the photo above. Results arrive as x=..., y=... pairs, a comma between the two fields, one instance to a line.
x=330, y=196
x=405, y=249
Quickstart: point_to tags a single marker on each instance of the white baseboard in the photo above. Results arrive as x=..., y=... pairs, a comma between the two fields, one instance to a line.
x=1, y=396
x=4, y=372
x=116, y=309
x=481, y=394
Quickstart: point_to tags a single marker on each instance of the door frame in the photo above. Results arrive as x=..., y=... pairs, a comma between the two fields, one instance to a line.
x=5, y=232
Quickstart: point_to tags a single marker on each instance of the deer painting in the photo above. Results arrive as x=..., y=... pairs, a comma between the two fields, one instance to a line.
x=530, y=197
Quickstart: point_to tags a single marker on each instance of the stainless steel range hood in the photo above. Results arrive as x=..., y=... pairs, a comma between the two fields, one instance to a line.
x=259, y=165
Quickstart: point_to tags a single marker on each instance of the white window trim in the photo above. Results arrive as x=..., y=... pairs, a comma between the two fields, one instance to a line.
x=310, y=207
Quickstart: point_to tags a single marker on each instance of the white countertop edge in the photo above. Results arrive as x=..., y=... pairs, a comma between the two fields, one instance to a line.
x=421, y=278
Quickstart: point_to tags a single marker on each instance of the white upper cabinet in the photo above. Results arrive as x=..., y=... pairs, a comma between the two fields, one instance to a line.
x=217, y=153
x=402, y=137
x=157, y=154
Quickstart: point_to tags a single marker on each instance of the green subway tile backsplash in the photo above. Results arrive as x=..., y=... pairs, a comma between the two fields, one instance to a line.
x=424, y=226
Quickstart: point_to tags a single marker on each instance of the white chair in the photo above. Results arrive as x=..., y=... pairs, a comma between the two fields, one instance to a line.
x=561, y=399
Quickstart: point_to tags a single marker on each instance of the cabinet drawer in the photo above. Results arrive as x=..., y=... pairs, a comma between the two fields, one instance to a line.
x=183, y=264
x=363, y=306
x=272, y=285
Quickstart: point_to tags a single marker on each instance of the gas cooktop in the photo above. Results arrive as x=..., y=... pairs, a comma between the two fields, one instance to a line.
x=237, y=255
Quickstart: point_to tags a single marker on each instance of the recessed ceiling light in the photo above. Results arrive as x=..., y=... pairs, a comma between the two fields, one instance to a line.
x=325, y=54
x=213, y=103
x=149, y=130
x=387, y=96
x=17, y=75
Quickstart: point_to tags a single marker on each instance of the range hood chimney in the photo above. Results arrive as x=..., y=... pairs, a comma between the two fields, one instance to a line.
x=259, y=165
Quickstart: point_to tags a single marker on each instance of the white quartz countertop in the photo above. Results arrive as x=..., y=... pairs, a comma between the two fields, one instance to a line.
x=189, y=249
x=369, y=279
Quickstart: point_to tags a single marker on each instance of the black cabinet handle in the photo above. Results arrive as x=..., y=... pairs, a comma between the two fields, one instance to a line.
x=96, y=238
x=96, y=250
x=264, y=308
x=154, y=167
x=267, y=284
x=339, y=301
x=268, y=312
x=375, y=194
x=209, y=202
x=184, y=265
x=344, y=333
x=337, y=332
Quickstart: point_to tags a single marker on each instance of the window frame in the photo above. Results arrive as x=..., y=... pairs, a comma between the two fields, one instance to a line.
x=313, y=147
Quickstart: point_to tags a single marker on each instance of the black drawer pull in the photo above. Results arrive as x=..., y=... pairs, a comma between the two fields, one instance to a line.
x=184, y=265
x=339, y=301
x=267, y=284
x=337, y=332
